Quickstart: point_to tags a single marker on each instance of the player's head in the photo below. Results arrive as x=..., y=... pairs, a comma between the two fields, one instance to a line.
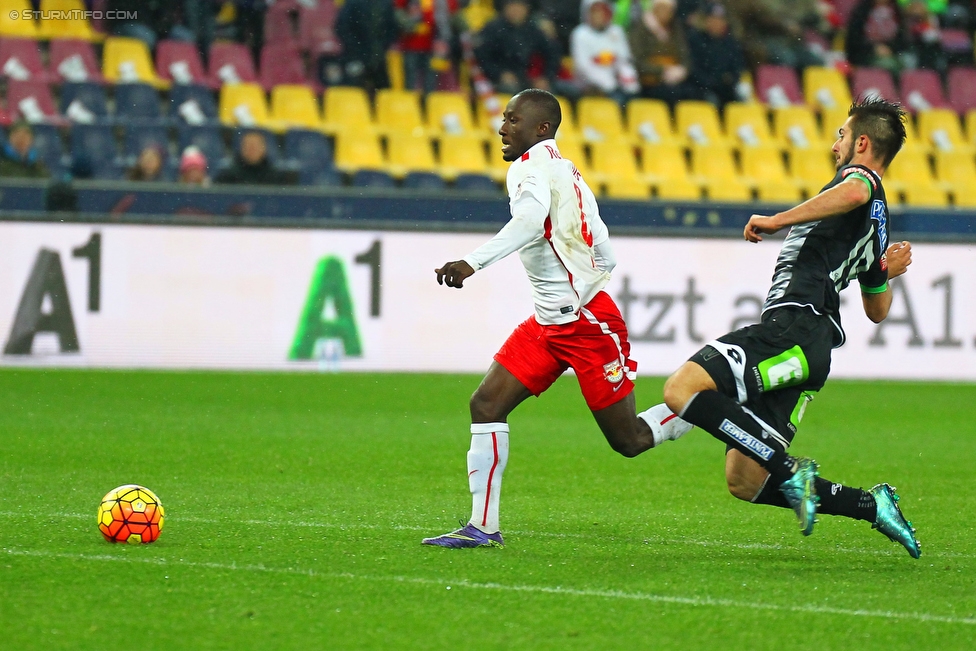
x=873, y=123
x=530, y=117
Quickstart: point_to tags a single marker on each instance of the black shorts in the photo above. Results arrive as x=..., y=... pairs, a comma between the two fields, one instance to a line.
x=773, y=368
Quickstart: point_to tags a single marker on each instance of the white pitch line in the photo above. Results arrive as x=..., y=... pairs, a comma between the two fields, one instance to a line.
x=536, y=589
x=892, y=551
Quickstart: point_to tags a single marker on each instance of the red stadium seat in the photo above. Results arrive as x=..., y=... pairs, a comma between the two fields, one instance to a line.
x=962, y=89
x=922, y=89
x=73, y=60
x=873, y=81
x=179, y=62
x=316, y=29
x=279, y=24
x=230, y=63
x=778, y=86
x=282, y=64
x=20, y=59
x=31, y=100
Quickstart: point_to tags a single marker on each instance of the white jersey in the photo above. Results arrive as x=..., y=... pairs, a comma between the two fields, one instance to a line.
x=557, y=230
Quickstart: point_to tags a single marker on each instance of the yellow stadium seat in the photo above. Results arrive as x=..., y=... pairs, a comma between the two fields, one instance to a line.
x=909, y=169
x=811, y=170
x=410, y=153
x=627, y=188
x=831, y=120
x=929, y=196
x=779, y=192
x=489, y=113
x=295, y=105
x=477, y=13
x=677, y=189
x=569, y=127
x=128, y=60
x=747, y=125
x=243, y=105
x=19, y=25
x=70, y=22
x=826, y=88
x=796, y=127
x=599, y=119
x=955, y=169
x=662, y=163
x=970, y=122
x=763, y=165
x=940, y=128
x=449, y=114
x=613, y=160
x=712, y=164
x=649, y=121
x=357, y=150
x=698, y=123
x=731, y=190
x=964, y=196
x=463, y=154
x=347, y=107
x=398, y=111
x=572, y=149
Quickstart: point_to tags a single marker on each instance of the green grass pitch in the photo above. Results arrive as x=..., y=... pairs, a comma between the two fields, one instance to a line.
x=296, y=504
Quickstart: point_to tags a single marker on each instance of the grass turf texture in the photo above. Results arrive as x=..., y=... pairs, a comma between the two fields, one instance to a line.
x=296, y=504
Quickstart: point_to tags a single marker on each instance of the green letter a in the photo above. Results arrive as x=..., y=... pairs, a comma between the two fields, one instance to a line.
x=328, y=285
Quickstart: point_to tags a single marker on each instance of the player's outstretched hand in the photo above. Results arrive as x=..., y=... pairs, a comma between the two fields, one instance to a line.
x=757, y=226
x=454, y=273
x=899, y=256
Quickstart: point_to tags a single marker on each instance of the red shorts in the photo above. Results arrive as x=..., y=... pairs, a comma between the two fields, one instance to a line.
x=595, y=346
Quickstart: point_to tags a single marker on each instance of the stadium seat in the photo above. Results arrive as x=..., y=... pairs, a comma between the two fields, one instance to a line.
x=811, y=169
x=192, y=104
x=962, y=89
x=357, y=150
x=570, y=149
x=97, y=143
x=347, y=108
x=627, y=188
x=69, y=23
x=955, y=170
x=283, y=64
x=127, y=60
x=831, y=120
x=747, y=124
x=463, y=154
x=274, y=151
x=825, y=88
x=295, y=106
x=372, y=179
x=941, y=129
x=31, y=100
x=877, y=82
x=423, y=181
x=135, y=139
x=599, y=120
x=927, y=196
x=921, y=90
x=677, y=189
x=179, y=62
x=909, y=168
x=649, y=121
x=47, y=142
x=279, y=24
x=763, y=165
x=712, y=164
x=17, y=26
x=230, y=63
x=74, y=60
x=84, y=102
x=410, y=153
x=663, y=163
x=311, y=151
x=20, y=59
x=207, y=139
x=969, y=122
x=699, y=123
x=316, y=29
x=243, y=105
x=138, y=104
x=449, y=114
x=615, y=160
x=796, y=128
x=569, y=127
x=785, y=192
x=727, y=190
x=489, y=117
x=475, y=183
x=398, y=111
x=778, y=86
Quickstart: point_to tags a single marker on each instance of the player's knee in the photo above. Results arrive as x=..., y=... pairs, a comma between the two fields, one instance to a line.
x=675, y=394
x=627, y=447
x=484, y=409
x=740, y=486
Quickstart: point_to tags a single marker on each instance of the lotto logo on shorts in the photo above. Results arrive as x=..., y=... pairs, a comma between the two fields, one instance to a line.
x=746, y=439
x=613, y=372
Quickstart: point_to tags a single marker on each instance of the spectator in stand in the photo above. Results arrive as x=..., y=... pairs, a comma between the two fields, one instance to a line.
x=149, y=165
x=151, y=20
x=601, y=55
x=564, y=15
x=773, y=30
x=661, y=54
x=626, y=12
x=193, y=167
x=875, y=35
x=18, y=158
x=367, y=29
x=427, y=28
x=251, y=165
x=514, y=53
x=717, y=57
x=924, y=34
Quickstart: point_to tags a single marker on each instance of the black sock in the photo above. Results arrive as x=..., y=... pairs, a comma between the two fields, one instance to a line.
x=723, y=418
x=835, y=499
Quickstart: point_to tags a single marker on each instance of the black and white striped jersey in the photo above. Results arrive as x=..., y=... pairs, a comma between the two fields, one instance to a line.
x=819, y=259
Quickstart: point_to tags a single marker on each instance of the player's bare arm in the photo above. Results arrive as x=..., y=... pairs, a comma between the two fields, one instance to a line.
x=876, y=306
x=838, y=200
x=454, y=273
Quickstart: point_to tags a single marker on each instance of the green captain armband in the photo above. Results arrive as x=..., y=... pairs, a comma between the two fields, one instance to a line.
x=867, y=182
x=874, y=290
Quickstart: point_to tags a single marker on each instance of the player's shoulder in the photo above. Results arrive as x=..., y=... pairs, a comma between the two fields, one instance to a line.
x=860, y=172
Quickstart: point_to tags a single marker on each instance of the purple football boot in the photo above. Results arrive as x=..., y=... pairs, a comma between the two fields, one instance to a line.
x=467, y=536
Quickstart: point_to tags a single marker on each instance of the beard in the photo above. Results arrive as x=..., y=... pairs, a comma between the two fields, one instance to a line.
x=846, y=157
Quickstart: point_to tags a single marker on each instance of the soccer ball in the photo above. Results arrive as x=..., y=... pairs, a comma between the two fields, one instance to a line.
x=131, y=514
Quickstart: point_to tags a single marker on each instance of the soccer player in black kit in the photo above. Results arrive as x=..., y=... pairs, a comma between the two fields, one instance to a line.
x=749, y=388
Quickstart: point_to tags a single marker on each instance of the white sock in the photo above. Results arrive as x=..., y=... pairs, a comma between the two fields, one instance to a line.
x=486, y=463
x=665, y=425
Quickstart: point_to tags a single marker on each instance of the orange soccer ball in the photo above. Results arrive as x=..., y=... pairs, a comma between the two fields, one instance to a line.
x=130, y=514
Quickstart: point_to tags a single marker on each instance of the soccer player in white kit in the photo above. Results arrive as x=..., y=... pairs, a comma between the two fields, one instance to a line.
x=565, y=248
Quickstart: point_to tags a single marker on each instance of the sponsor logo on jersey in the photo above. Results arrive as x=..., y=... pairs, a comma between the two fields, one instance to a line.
x=613, y=372
x=750, y=442
x=879, y=213
x=860, y=172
